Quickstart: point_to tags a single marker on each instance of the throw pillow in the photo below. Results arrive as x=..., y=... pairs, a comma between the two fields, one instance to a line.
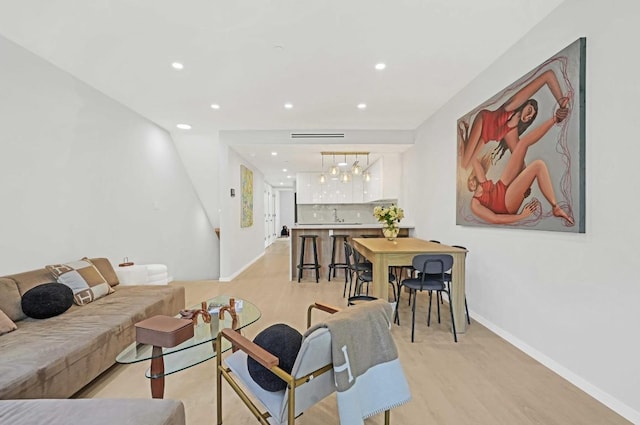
x=47, y=300
x=106, y=270
x=6, y=324
x=283, y=342
x=10, y=299
x=83, y=278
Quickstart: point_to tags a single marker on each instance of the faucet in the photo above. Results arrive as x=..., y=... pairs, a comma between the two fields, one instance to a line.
x=335, y=216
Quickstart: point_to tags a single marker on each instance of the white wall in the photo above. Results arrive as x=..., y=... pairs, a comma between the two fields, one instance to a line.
x=570, y=300
x=81, y=175
x=239, y=247
x=200, y=156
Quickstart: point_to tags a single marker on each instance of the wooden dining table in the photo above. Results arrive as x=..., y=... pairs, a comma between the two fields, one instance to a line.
x=400, y=252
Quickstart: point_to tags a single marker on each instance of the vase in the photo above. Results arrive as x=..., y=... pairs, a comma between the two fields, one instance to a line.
x=390, y=232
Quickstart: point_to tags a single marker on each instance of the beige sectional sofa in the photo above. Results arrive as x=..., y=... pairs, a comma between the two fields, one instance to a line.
x=54, y=358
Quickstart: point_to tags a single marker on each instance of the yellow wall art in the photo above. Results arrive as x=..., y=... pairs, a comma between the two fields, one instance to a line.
x=246, y=181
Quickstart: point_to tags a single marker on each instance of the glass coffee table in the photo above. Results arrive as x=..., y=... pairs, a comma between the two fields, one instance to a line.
x=200, y=348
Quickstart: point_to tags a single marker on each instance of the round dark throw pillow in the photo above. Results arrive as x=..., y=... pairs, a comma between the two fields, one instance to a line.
x=47, y=300
x=283, y=342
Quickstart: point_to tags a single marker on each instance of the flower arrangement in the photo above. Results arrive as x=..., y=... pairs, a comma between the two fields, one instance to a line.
x=389, y=216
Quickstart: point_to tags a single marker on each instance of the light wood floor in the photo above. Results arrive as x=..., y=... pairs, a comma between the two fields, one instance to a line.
x=480, y=380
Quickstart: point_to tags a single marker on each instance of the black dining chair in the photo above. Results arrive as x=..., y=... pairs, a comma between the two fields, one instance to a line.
x=447, y=277
x=363, y=273
x=431, y=271
x=354, y=266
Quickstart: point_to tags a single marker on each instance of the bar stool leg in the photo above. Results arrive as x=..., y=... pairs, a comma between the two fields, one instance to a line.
x=301, y=263
x=315, y=259
x=333, y=259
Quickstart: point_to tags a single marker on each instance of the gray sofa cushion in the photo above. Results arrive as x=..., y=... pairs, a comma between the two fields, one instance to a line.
x=6, y=324
x=92, y=412
x=10, y=299
x=56, y=357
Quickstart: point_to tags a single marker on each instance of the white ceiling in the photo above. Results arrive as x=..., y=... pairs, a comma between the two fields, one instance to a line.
x=251, y=57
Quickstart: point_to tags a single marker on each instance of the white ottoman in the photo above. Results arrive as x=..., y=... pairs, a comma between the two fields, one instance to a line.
x=143, y=274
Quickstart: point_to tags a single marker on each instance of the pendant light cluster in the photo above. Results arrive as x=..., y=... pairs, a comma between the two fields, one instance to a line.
x=344, y=175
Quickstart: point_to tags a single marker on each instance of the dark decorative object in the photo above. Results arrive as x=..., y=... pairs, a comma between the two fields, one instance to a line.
x=193, y=314
x=47, y=300
x=283, y=342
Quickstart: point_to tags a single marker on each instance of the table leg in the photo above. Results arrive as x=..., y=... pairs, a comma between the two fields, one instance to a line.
x=458, y=291
x=157, y=373
x=380, y=277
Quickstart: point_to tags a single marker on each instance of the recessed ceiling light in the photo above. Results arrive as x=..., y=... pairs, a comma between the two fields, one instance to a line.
x=362, y=106
x=284, y=170
x=184, y=126
x=288, y=105
x=215, y=106
x=380, y=66
x=342, y=164
x=177, y=65
x=289, y=177
x=281, y=184
x=274, y=153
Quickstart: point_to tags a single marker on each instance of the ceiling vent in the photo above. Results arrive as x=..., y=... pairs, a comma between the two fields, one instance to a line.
x=317, y=135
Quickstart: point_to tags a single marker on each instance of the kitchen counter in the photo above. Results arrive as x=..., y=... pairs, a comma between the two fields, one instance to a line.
x=324, y=232
x=346, y=226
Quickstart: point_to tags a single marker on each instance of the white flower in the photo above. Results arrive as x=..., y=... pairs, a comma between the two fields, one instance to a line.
x=388, y=215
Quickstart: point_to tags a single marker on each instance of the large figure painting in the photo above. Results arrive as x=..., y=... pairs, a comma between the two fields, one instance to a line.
x=246, y=182
x=521, y=153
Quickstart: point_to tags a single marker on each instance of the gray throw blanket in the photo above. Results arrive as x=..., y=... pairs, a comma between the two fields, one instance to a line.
x=369, y=377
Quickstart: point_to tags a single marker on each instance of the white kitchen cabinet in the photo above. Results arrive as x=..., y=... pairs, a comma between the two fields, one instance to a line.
x=329, y=195
x=384, y=181
x=357, y=190
x=308, y=188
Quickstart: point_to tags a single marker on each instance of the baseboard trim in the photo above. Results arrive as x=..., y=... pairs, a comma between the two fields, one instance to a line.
x=236, y=274
x=603, y=397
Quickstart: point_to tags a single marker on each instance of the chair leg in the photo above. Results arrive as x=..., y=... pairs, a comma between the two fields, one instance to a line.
x=350, y=278
x=413, y=317
x=466, y=309
x=387, y=417
x=396, y=317
x=439, y=293
x=393, y=288
x=218, y=391
x=453, y=322
x=429, y=314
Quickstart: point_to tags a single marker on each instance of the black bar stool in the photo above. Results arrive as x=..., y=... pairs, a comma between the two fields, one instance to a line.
x=302, y=265
x=333, y=265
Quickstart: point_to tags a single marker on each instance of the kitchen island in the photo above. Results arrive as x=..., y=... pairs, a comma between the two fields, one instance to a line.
x=324, y=231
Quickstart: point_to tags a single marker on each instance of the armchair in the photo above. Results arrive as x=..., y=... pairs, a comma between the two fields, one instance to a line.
x=312, y=377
